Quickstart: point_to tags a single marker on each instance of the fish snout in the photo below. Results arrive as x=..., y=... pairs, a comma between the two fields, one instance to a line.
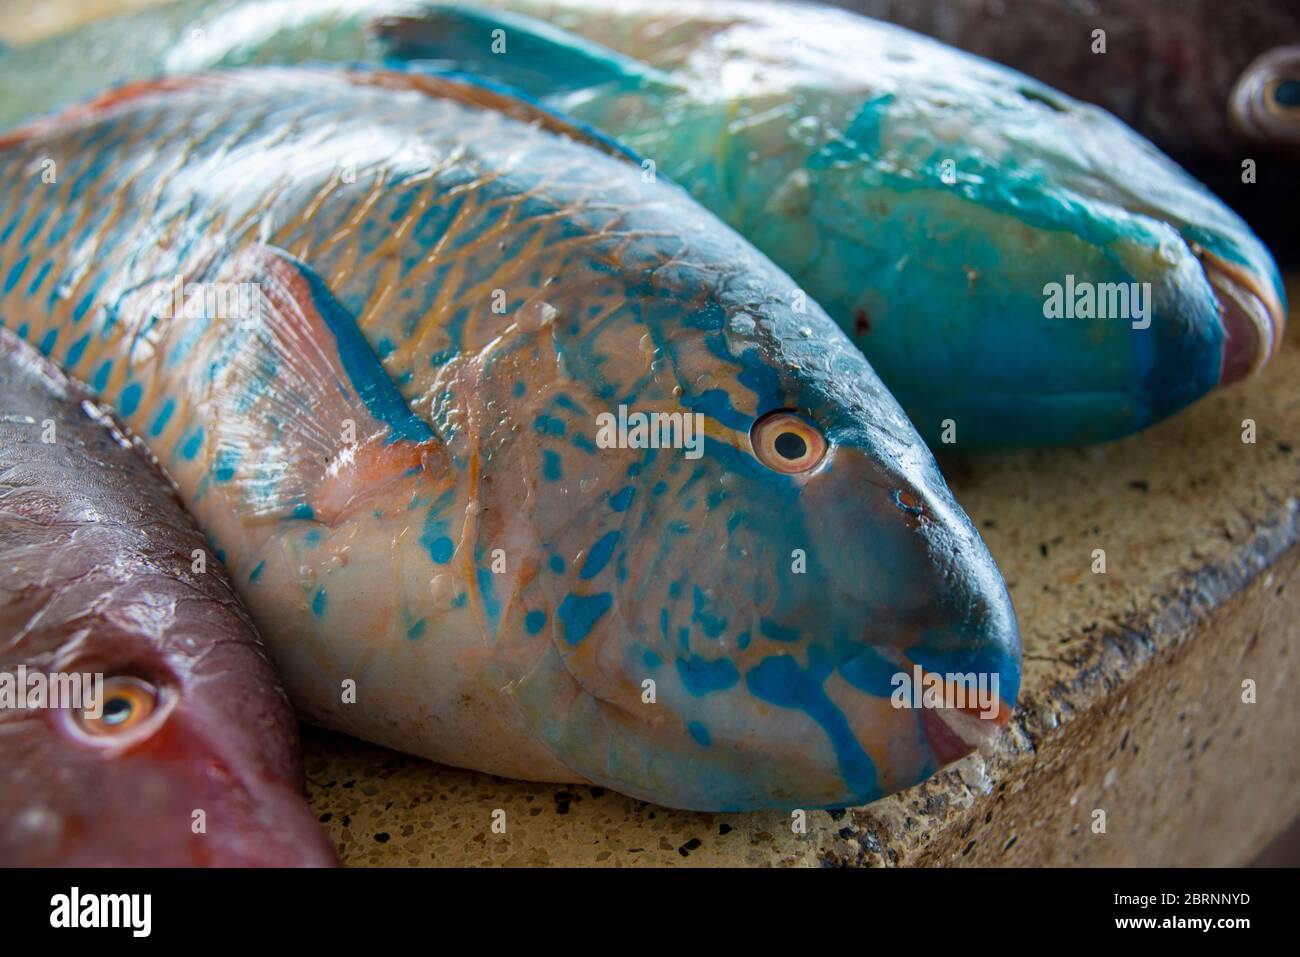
x=1252, y=314
x=935, y=611
x=967, y=661
x=269, y=826
x=187, y=801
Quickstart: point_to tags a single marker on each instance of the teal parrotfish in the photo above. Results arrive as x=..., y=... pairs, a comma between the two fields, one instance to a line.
x=141, y=723
x=396, y=338
x=1215, y=85
x=937, y=205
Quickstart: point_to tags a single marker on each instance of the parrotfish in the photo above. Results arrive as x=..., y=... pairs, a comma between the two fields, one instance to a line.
x=522, y=460
x=1019, y=267
x=1213, y=84
x=141, y=722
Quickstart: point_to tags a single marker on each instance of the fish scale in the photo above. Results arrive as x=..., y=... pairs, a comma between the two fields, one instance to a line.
x=396, y=449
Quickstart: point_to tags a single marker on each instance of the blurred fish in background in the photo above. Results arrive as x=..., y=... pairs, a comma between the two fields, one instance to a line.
x=1211, y=83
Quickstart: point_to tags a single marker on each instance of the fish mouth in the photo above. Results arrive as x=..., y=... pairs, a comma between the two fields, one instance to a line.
x=953, y=733
x=1252, y=316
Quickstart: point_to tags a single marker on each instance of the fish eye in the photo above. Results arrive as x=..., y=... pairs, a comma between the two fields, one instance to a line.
x=1285, y=94
x=786, y=442
x=127, y=704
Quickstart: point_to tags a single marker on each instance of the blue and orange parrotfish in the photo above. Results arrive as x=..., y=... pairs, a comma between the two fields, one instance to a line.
x=141, y=722
x=397, y=338
x=1019, y=267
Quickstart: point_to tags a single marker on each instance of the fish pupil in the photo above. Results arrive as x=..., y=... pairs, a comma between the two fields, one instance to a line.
x=116, y=710
x=1287, y=93
x=790, y=445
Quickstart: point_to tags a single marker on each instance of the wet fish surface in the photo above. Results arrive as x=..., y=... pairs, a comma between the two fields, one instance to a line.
x=1019, y=267
x=189, y=753
x=406, y=330
x=1213, y=84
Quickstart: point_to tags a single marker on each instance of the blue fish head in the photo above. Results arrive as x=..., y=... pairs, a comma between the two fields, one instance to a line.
x=753, y=588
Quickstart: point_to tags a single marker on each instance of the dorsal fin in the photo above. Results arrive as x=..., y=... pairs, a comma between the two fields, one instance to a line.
x=462, y=88
x=486, y=94
x=526, y=53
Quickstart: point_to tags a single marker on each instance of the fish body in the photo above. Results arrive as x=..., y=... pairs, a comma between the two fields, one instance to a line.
x=1019, y=267
x=414, y=442
x=191, y=756
x=1212, y=84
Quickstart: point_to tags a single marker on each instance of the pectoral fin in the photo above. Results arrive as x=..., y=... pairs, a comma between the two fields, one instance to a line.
x=303, y=420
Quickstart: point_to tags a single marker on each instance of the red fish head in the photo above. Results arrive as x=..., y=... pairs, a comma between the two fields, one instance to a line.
x=174, y=760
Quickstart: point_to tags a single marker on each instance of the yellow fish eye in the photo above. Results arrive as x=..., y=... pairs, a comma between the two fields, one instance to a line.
x=786, y=442
x=128, y=702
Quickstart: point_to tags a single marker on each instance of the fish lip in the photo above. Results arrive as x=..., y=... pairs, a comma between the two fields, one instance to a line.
x=953, y=733
x=1251, y=313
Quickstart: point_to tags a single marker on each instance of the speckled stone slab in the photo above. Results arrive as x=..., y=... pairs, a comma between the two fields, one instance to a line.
x=1131, y=705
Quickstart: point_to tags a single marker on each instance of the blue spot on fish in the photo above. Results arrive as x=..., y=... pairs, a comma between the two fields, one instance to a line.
x=163, y=417
x=552, y=469
x=579, y=614
x=441, y=549
x=621, y=499
x=700, y=676
x=770, y=629
x=130, y=399
x=534, y=621
x=318, y=603
x=101, y=376
x=700, y=733
x=190, y=448
x=599, y=556
x=77, y=350
x=491, y=607
x=15, y=273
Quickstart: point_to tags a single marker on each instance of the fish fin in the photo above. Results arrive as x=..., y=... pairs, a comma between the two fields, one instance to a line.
x=303, y=420
x=490, y=95
x=527, y=54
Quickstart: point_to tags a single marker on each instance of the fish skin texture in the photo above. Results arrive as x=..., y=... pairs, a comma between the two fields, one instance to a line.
x=97, y=553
